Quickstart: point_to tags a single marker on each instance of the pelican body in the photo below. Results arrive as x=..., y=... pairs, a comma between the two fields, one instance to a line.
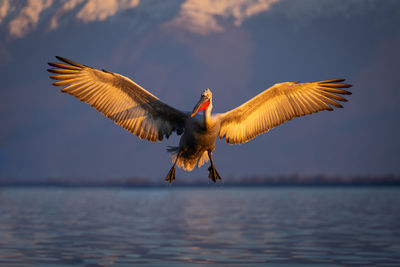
x=143, y=114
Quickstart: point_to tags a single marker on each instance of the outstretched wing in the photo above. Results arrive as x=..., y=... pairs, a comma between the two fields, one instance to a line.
x=120, y=99
x=281, y=102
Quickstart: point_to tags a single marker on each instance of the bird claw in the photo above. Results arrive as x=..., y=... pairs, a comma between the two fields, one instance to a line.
x=171, y=175
x=214, y=175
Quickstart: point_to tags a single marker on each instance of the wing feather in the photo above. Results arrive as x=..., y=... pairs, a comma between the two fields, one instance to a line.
x=280, y=103
x=118, y=98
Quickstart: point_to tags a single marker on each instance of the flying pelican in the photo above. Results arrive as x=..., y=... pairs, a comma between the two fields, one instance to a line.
x=143, y=114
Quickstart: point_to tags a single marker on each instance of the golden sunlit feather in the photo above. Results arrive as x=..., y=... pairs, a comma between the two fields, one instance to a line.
x=282, y=102
x=118, y=98
x=143, y=114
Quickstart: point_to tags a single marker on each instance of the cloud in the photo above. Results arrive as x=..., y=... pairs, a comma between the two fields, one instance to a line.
x=68, y=6
x=201, y=16
x=28, y=17
x=204, y=16
x=307, y=10
x=4, y=7
x=197, y=16
x=30, y=13
x=99, y=10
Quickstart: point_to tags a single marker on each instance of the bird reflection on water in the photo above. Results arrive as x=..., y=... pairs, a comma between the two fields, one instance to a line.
x=259, y=226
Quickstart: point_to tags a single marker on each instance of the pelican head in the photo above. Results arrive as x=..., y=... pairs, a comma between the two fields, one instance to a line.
x=204, y=102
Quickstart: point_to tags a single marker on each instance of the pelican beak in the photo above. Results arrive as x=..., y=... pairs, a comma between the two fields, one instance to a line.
x=203, y=103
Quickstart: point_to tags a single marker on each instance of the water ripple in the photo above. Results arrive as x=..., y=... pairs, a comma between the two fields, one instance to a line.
x=192, y=227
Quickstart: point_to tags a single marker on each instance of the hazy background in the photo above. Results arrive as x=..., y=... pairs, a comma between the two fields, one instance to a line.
x=177, y=48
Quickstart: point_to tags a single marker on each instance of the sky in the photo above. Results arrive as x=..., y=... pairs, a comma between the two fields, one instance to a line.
x=177, y=48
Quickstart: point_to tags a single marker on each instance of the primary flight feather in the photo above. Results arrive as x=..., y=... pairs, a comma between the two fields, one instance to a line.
x=143, y=114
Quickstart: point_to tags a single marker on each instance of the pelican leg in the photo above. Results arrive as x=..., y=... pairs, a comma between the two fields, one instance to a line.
x=171, y=174
x=213, y=175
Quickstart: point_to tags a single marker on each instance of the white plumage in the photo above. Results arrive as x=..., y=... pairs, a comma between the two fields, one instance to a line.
x=143, y=114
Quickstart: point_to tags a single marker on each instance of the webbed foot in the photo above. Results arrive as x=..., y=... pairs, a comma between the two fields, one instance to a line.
x=213, y=175
x=171, y=175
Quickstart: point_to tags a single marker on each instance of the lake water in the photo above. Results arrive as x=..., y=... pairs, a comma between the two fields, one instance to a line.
x=218, y=226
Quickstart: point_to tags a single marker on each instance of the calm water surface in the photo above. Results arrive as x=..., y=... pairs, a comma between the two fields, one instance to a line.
x=193, y=227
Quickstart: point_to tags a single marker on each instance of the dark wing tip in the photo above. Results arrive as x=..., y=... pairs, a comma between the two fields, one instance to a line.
x=336, y=83
x=68, y=61
x=333, y=81
x=63, y=59
x=56, y=77
x=52, y=64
